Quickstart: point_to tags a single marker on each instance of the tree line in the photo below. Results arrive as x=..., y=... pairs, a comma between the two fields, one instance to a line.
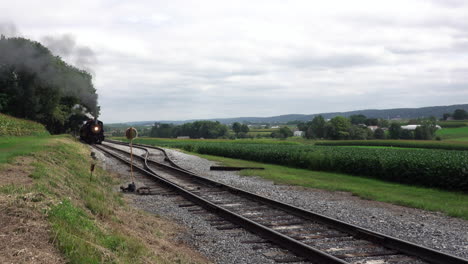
x=197, y=129
x=458, y=114
x=357, y=127
x=37, y=85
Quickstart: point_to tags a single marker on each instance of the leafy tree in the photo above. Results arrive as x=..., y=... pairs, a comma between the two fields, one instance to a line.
x=446, y=116
x=315, y=128
x=162, y=130
x=340, y=128
x=236, y=127
x=283, y=132
x=359, y=133
x=394, y=130
x=406, y=134
x=426, y=131
x=201, y=129
x=460, y=114
x=379, y=133
x=358, y=119
x=383, y=123
x=372, y=122
x=302, y=126
x=244, y=128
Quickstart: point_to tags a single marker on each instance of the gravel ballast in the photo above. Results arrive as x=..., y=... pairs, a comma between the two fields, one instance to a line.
x=430, y=229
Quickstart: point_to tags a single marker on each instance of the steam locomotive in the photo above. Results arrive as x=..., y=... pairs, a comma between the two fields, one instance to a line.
x=92, y=132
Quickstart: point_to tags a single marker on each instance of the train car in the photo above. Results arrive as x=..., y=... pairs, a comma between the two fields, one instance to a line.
x=92, y=132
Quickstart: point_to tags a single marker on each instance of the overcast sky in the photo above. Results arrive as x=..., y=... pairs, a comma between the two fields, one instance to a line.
x=173, y=60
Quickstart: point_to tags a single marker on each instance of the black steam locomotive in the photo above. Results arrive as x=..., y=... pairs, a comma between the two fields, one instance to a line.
x=92, y=132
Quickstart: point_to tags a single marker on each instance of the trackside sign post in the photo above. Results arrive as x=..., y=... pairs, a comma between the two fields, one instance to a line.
x=131, y=133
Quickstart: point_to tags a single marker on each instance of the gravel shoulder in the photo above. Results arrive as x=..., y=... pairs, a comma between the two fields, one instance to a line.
x=431, y=229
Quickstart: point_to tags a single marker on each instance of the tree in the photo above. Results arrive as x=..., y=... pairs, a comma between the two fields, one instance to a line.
x=244, y=128
x=162, y=130
x=406, y=134
x=358, y=119
x=372, y=122
x=283, y=132
x=460, y=114
x=379, y=133
x=340, y=128
x=302, y=126
x=315, y=128
x=236, y=127
x=201, y=129
x=394, y=130
x=37, y=85
x=383, y=123
x=359, y=133
x=446, y=116
x=426, y=131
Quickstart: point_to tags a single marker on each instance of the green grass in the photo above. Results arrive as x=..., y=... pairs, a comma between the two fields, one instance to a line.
x=11, y=147
x=451, y=203
x=11, y=126
x=81, y=210
x=453, y=133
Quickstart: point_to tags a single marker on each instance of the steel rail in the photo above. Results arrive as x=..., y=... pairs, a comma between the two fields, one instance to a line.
x=293, y=245
x=427, y=254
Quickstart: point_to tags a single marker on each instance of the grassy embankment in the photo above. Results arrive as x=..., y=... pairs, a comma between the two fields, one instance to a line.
x=11, y=126
x=451, y=203
x=89, y=222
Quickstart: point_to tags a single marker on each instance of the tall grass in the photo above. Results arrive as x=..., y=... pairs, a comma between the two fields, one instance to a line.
x=11, y=126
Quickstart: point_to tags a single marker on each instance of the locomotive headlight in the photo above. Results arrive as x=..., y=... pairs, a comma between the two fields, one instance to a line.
x=96, y=129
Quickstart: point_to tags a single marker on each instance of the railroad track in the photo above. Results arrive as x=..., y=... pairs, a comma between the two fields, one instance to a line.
x=309, y=236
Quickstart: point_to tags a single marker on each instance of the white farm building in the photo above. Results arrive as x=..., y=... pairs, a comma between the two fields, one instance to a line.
x=413, y=127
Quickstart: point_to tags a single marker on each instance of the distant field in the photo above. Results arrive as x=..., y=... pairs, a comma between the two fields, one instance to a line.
x=428, y=144
x=452, y=124
x=460, y=133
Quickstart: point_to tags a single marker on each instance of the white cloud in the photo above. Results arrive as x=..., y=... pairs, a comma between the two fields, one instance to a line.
x=203, y=59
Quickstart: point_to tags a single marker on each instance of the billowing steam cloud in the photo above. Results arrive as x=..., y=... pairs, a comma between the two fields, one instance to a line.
x=65, y=46
x=8, y=29
x=24, y=56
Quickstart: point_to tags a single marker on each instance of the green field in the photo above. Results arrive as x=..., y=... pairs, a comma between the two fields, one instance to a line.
x=427, y=144
x=452, y=203
x=445, y=169
x=454, y=134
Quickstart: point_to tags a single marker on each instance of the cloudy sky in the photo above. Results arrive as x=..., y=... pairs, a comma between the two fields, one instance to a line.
x=172, y=60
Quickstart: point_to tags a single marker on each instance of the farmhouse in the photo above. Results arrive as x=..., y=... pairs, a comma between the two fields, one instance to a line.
x=298, y=133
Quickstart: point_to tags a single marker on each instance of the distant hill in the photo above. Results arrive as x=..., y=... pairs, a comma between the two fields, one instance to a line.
x=404, y=113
